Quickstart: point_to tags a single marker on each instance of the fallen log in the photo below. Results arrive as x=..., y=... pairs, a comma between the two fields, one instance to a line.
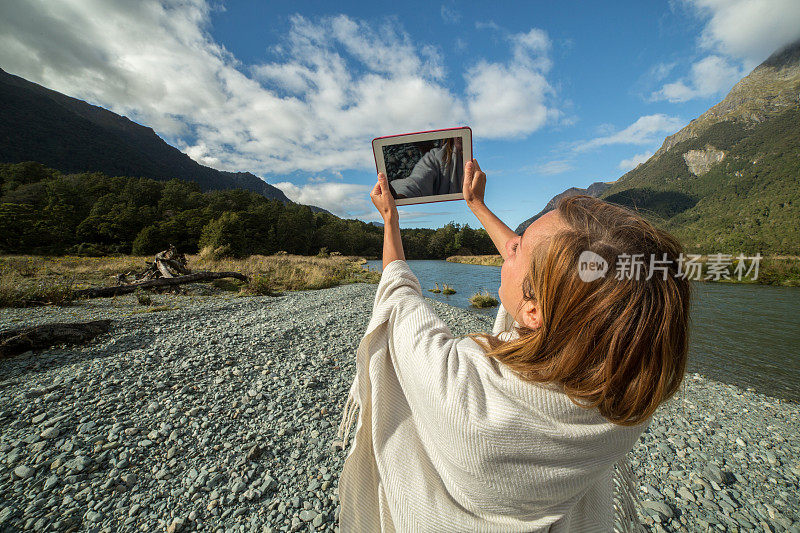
x=21, y=340
x=105, y=292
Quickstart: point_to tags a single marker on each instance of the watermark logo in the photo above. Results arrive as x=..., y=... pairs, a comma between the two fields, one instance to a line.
x=591, y=266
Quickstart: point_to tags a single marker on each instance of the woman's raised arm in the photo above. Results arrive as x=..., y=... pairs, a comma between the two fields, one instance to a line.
x=392, y=241
x=474, y=188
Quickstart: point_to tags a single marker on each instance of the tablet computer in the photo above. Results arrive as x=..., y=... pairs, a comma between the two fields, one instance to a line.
x=426, y=166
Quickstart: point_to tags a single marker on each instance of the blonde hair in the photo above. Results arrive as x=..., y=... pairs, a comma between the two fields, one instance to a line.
x=616, y=344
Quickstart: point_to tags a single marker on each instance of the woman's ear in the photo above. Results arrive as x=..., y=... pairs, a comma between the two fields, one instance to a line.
x=531, y=315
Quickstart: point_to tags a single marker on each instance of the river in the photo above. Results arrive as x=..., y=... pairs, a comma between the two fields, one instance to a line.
x=747, y=335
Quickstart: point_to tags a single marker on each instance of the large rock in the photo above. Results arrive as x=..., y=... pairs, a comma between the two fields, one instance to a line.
x=700, y=161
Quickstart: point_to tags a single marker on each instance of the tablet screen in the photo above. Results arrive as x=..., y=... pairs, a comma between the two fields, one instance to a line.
x=426, y=167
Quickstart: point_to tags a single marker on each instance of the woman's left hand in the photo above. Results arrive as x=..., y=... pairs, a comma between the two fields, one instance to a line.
x=382, y=198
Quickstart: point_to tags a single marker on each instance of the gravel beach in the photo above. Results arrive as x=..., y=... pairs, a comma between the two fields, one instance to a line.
x=220, y=414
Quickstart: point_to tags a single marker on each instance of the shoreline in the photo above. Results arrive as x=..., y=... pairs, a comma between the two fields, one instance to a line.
x=222, y=411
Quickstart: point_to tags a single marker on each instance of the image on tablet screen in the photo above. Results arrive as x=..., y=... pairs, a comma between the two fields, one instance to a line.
x=425, y=168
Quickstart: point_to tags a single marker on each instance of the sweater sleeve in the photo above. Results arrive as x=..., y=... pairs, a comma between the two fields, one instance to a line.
x=434, y=375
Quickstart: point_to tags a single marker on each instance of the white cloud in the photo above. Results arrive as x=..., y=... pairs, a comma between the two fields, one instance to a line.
x=709, y=76
x=199, y=152
x=329, y=87
x=341, y=199
x=646, y=130
x=511, y=99
x=554, y=167
x=406, y=216
x=737, y=36
x=661, y=70
x=450, y=13
x=749, y=30
x=633, y=162
x=487, y=25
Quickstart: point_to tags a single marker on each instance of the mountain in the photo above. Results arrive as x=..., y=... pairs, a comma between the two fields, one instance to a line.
x=595, y=189
x=70, y=135
x=729, y=182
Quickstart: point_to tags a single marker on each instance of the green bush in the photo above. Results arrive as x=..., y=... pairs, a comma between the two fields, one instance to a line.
x=226, y=232
x=149, y=241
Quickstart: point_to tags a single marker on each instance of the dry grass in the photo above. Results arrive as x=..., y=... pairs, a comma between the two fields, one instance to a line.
x=447, y=289
x=17, y=291
x=84, y=271
x=290, y=272
x=32, y=280
x=483, y=299
x=485, y=260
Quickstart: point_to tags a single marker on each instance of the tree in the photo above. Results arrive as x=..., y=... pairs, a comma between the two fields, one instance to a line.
x=149, y=241
x=227, y=234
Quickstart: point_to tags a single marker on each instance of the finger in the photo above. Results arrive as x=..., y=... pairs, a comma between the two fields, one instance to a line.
x=383, y=183
x=477, y=166
x=376, y=190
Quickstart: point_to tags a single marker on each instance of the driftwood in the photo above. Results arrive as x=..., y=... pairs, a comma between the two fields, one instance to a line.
x=17, y=341
x=168, y=269
x=167, y=264
x=105, y=292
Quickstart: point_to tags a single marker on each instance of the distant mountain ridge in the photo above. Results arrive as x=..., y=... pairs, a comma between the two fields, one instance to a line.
x=769, y=90
x=729, y=181
x=595, y=189
x=70, y=135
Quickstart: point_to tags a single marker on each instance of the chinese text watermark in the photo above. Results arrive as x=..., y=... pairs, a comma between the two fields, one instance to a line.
x=592, y=266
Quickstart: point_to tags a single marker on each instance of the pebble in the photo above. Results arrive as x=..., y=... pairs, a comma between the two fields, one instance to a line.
x=24, y=472
x=50, y=433
x=160, y=428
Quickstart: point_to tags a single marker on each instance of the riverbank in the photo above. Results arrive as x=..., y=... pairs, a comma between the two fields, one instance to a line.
x=29, y=280
x=220, y=413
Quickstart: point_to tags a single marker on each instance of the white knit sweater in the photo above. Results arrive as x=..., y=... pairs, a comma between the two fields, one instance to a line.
x=450, y=440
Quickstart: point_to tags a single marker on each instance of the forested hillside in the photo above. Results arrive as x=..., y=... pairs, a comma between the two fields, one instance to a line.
x=747, y=202
x=61, y=132
x=729, y=181
x=46, y=212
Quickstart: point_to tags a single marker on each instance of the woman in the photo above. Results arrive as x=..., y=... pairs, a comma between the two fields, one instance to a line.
x=439, y=171
x=526, y=429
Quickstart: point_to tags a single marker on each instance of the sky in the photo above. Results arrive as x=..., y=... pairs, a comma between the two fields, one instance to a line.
x=558, y=94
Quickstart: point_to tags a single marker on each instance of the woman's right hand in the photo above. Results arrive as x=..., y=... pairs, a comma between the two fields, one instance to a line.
x=474, y=185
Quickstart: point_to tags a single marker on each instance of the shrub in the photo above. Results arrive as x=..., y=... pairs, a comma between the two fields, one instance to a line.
x=209, y=253
x=482, y=300
x=143, y=298
x=447, y=289
x=149, y=241
x=260, y=285
x=226, y=231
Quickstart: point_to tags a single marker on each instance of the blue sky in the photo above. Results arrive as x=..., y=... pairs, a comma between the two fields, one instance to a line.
x=557, y=94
